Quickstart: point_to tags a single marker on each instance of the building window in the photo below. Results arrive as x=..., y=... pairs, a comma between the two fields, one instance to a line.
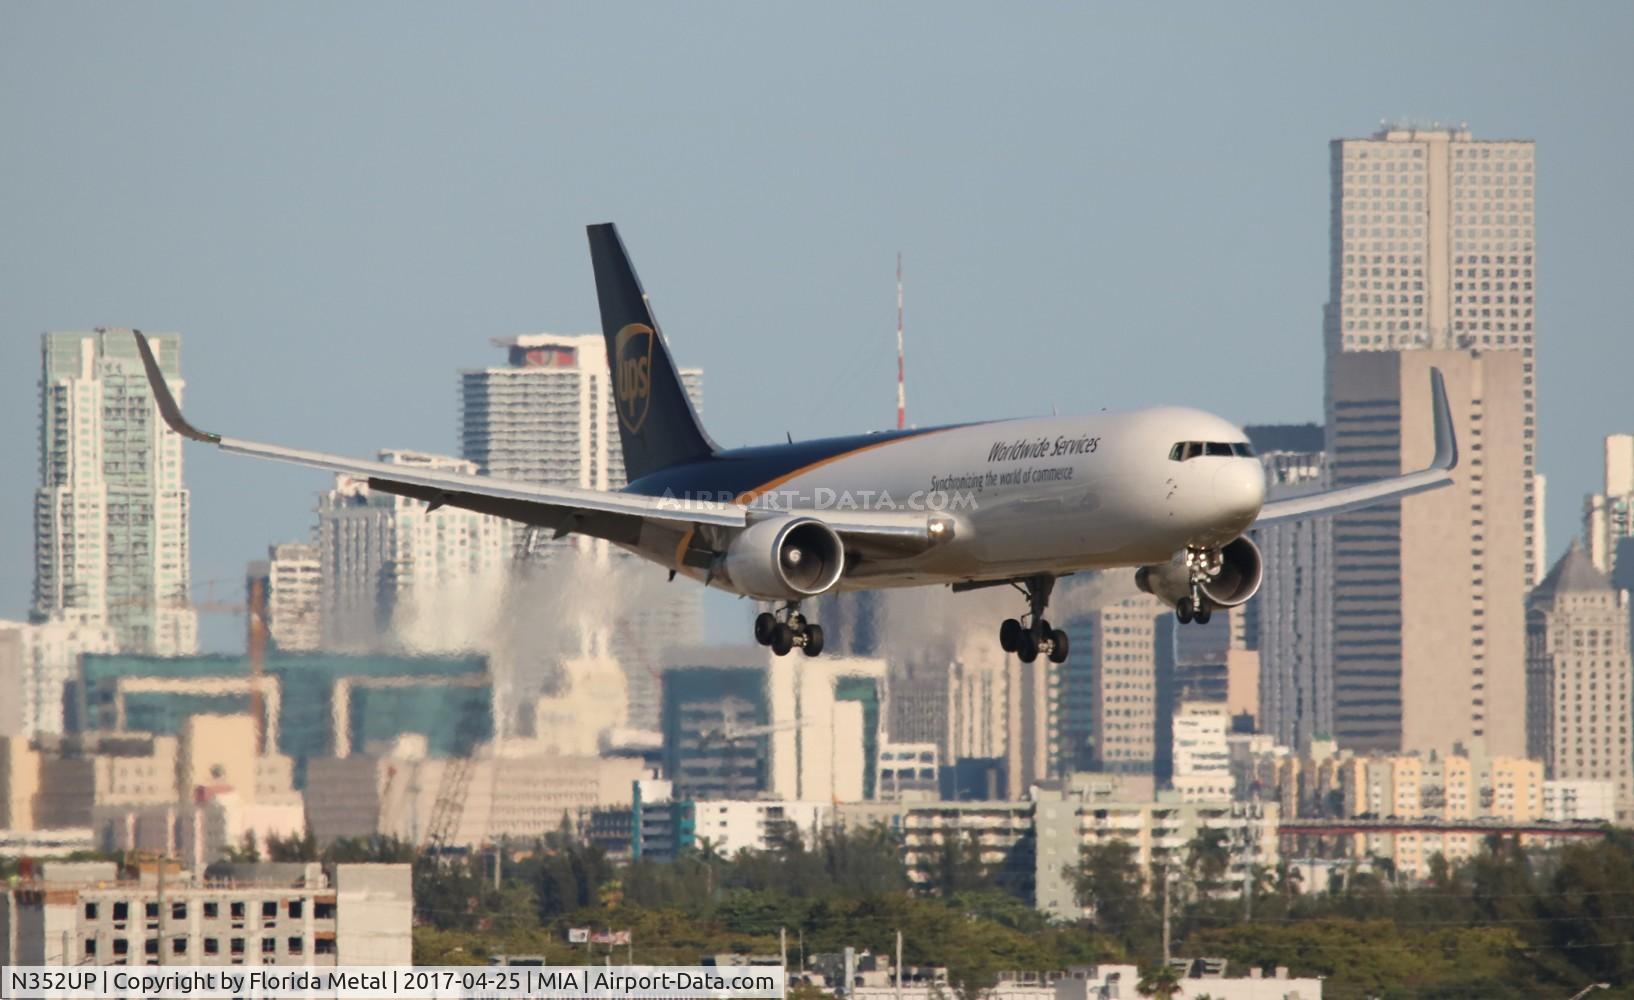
x=237, y=946
x=269, y=945
x=323, y=911
x=121, y=946
x=90, y=947
x=178, y=911
x=178, y=946
x=150, y=946
x=294, y=909
x=294, y=946
x=212, y=946
x=152, y=911
x=323, y=946
x=90, y=911
x=212, y=910
x=237, y=911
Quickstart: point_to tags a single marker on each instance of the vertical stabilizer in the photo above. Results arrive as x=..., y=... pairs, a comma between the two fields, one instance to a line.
x=657, y=425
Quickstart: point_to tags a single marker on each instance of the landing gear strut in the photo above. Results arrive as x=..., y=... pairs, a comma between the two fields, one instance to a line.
x=1203, y=564
x=1031, y=634
x=787, y=628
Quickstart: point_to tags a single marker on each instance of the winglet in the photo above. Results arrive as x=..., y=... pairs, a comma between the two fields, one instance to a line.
x=166, y=402
x=1446, y=443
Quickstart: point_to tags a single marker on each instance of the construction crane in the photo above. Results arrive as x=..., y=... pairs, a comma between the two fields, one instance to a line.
x=449, y=806
x=731, y=734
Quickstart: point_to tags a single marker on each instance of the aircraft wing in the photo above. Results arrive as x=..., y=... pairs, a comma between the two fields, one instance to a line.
x=616, y=516
x=1433, y=476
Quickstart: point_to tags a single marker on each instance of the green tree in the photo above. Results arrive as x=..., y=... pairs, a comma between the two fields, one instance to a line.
x=1208, y=858
x=1159, y=981
x=295, y=847
x=1108, y=880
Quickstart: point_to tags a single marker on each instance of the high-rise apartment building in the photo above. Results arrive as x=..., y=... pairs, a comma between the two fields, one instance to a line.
x=1291, y=619
x=1107, y=700
x=111, y=512
x=1432, y=265
x=1608, y=516
x=396, y=572
x=548, y=416
x=292, y=575
x=1578, y=674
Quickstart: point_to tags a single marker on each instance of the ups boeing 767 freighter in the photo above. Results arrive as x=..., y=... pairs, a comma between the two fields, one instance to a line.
x=1167, y=491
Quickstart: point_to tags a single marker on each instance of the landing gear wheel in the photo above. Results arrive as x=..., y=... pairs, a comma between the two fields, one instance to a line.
x=765, y=625
x=1030, y=634
x=1058, y=646
x=1009, y=635
x=782, y=639
x=814, y=640
x=1203, y=613
x=1183, y=610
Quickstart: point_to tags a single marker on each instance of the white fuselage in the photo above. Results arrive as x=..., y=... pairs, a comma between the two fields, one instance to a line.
x=1048, y=495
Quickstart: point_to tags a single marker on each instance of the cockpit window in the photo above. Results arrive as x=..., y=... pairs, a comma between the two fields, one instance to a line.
x=1184, y=450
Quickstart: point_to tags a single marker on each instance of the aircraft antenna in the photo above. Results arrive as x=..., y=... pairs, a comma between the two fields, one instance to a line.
x=901, y=385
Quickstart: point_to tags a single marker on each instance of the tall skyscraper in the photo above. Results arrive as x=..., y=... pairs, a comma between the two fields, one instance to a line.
x=1432, y=264
x=111, y=512
x=1291, y=619
x=1429, y=591
x=1432, y=238
x=396, y=573
x=548, y=416
x=1578, y=677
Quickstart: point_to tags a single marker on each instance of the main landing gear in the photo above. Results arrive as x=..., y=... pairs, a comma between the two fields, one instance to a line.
x=787, y=628
x=1203, y=564
x=1031, y=634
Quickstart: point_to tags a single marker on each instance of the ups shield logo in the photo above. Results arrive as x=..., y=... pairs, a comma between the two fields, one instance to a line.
x=632, y=374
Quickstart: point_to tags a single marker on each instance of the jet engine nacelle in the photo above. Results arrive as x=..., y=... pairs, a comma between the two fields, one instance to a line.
x=1236, y=580
x=785, y=558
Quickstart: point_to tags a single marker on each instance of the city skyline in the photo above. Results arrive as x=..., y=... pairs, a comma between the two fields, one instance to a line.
x=1007, y=225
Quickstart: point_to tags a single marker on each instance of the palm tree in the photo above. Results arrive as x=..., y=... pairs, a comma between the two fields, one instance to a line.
x=1159, y=981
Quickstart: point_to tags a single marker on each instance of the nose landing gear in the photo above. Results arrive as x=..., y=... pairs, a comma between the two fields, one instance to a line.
x=786, y=628
x=1031, y=634
x=1203, y=564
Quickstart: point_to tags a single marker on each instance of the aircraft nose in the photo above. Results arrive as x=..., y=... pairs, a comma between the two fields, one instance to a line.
x=1239, y=488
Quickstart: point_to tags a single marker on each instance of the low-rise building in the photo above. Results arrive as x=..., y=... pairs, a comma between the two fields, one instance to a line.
x=525, y=793
x=1566, y=801
x=92, y=913
x=1000, y=834
x=1162, y=833
x=907, y=771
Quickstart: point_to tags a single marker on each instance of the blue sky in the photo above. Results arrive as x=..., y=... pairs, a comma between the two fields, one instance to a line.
x=338, y=205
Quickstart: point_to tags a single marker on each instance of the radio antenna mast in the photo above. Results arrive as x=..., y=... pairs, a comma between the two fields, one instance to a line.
x=901, y=386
